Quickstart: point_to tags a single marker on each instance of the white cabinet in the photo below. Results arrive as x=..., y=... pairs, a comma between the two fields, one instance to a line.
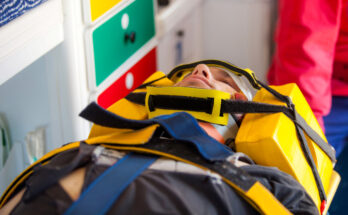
x=179, y=28
x=239, y=31
x=30, y=90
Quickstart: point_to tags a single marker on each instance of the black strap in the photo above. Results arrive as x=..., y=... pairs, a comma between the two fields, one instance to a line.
x=137, y=98
x=98, y=115
x=328, y=149
x=181, y=103
x=143, y=86
x=310, y=161
x=239, y=106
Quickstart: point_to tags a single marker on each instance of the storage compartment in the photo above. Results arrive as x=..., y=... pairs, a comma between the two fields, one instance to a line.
x=239, y=32
x=110, y=44
x=133, y=78
x=180, y=34
x=94, y=9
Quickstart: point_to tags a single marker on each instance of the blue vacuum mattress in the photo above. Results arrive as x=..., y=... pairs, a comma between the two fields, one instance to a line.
x=11, y=9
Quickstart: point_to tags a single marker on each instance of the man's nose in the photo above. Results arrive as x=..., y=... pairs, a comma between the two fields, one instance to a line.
x=203, y=70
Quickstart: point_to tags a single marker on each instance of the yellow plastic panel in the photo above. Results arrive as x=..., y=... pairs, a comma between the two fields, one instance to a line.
x=126, y=136
x=334, y=182
x=99, y=7
x=271, y=140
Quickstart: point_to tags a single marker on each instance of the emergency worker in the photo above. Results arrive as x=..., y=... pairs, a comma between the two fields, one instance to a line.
x=167, y=187
x=312, y=51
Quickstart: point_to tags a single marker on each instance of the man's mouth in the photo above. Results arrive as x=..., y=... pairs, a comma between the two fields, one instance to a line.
x=195, y=78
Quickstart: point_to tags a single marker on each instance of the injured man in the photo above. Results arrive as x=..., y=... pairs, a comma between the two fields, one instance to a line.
x=170, y=147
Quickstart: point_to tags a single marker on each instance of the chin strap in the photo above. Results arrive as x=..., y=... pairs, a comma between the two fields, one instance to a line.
x=202, y=104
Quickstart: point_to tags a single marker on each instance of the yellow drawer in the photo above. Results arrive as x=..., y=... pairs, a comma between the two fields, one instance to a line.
x=98, y=7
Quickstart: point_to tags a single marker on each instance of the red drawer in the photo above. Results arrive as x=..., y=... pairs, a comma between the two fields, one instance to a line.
x=133, y=78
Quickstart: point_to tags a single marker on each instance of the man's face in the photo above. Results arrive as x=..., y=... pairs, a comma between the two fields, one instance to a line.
x=212, y=78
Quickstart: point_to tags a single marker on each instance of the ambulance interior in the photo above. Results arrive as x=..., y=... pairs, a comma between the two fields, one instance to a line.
x=50, y=68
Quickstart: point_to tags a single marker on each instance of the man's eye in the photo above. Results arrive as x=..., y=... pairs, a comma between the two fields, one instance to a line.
x=187, y=74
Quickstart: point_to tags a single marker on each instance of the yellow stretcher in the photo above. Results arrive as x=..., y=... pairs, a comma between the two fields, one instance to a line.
x=270, y=139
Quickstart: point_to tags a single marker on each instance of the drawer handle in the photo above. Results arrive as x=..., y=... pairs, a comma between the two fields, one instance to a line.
x=130, y=37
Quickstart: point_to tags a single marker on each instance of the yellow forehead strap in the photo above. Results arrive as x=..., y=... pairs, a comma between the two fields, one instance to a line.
x=179, y=72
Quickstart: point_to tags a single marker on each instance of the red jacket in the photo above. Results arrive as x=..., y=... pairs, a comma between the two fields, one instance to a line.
x=312, y=50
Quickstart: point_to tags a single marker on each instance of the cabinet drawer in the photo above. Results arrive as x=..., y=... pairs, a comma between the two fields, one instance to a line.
x=133, y=78
x=98, y=7
x=118, y=38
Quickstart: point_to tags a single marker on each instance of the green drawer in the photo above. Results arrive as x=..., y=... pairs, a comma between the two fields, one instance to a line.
x=111, y=45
